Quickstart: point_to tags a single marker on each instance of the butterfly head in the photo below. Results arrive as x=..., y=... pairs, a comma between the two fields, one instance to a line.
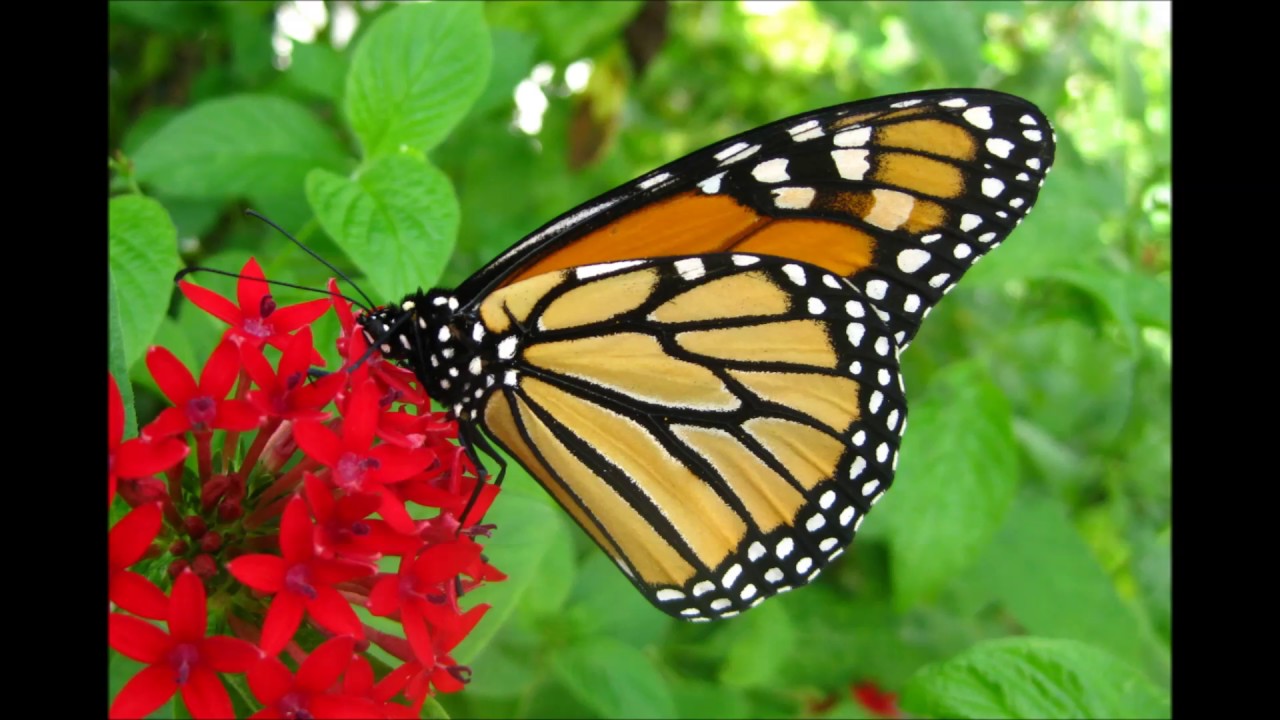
x=444, y=346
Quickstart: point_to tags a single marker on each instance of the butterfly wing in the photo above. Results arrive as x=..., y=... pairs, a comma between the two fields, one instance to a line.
x=719, y=424
x=899, y=194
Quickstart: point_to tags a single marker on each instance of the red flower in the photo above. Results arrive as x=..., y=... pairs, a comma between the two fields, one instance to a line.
x=307, y=695
x=200, y=407
x=355, y=465
x=139, y=457
x=257, y=319
x=285, y=392
x=182, y=659
x=344, y=530
x=876, y=701
x=423, y=593
x=129, y=539
x=301, y=583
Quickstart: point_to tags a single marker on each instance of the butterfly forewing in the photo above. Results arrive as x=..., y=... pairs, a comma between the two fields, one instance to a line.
x=718, y=424
x=900, y=194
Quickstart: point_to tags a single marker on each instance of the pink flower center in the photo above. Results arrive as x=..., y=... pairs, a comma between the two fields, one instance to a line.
x=201, y=412
x=183, y=659
x=258, y=328
x=350, y=471
x=297, y=580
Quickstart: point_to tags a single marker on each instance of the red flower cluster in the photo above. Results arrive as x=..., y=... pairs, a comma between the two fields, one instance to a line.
x=273, y=536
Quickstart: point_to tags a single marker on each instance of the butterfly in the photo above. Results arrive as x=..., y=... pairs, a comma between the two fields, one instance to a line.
x=701, y=366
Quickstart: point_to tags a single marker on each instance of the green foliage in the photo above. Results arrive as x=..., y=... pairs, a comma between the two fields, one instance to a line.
x=1020, y=567
x=1034, y=677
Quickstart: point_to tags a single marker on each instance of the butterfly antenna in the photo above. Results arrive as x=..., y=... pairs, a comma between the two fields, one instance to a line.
x=312, y=253
x=321, y=291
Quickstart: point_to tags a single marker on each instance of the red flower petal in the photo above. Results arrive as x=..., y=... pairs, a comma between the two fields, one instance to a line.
x=237, y=415
x=290, y=318
x=211, y=302
x=325, y=665
x=148, y=690
x=317, y=394
x=131, y=537
x=256, y=365
x=359, y=678
x=393, y=511
x=415, y=631
x=396, y=463
x=148, y=455
x=318, y=497
x=449, y=637
x=220, y=371
x=442, y=562
x=297, y=544
x=130, y=591
x=360, y=418
x=170, y=421
x=187, y=611
x=339, y=707
x=137, y=639
x=260, y=572
x=384, y=599
x=251, y=289
x=332, y=612
x=205, y=696
x=267, y=713
x=269, y=680
x=283, y=618
x=318, y=442
x=228, y=654
x=171, y=375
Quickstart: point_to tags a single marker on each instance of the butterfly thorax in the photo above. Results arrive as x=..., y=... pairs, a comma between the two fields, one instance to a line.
x=445, y=346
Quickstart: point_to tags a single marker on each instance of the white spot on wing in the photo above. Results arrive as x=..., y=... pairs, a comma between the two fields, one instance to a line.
x=795, y=273
x=589, y=271
x=507, y=348
x=963, y=251
x=999, y=147
x=655, y=180
x=667, y=594
x=741, y=155
x=979, y=117
x=745, y=260
x=992, y=187
x=877, y=289
x=1033, y=135
x=793, y=198
x=851, y=164
x=954, y=103
x=711, y=185
x=969, y=221
x=771, y=171
x=912, y=259
x=733, y=149
x=856, y=137
x=690, y=268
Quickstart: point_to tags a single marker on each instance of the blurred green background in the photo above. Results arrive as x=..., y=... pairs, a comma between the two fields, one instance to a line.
x=1033, y=497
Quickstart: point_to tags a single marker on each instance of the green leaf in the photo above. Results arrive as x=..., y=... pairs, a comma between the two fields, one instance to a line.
x=1034, y=678
x=570, y=34
x=1040, y=569
x=143, y=257
x=317, y=69
x=116, y=364
x=605, y=603
x=528, y=530
x=695, y=699
x=236, y=146
x=414, y=75
x=614, y=679
x=397, y=221
x=763, y=642
x=957, y=479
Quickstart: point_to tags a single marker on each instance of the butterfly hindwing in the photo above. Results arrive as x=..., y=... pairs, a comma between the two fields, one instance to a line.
x=719, y=424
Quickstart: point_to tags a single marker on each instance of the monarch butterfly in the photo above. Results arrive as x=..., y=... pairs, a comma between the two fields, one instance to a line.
x=701, y=366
